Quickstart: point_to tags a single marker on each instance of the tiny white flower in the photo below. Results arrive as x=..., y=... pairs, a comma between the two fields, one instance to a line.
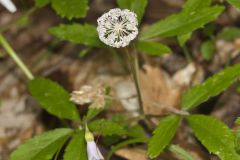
x=93, y=151
x=117, y=28
x=9, y=5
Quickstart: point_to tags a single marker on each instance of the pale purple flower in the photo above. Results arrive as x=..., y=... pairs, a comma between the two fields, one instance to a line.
x=8, y=4
x=93, y=151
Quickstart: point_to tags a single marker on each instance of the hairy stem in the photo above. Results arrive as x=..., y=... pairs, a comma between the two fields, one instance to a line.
x=15, y=57
x=133, y=62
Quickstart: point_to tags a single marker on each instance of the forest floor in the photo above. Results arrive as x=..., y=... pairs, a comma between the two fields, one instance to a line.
x=21, y=118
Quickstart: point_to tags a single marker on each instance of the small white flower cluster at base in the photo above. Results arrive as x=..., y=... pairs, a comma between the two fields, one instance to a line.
x=9, y=5
x=117, y=28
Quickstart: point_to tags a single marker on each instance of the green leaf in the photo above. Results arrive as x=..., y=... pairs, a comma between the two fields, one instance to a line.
x=76, y=149
x=235, y=3
x=162, y=135
x=230, y=33
x=41, y=3
x=71, y=8
x=136, y=132
x=105, y=127
x=137, y=6
x=214, y=135
x=193, y=5
x=42, y=147
x=53, y=98
x=125, y=143
x=182, y=39
x=237, y=121
x=207, y=49
x=211, y=87
x=188, y=7
x=152, y=48
x=237, y=141
x=81, y=34
x=180, y=152
x=124, y=3
x=182, y=23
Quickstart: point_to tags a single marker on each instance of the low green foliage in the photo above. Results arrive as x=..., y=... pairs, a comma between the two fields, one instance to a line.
x=235, y=3
x=214, y=135
x=189, y=7
x=237, y=141
x=76, y=149
x=230, y=33
x=42, y=147
x=136, y=132
x=211, y=87
x=162, y=135
x=53, y=98
x=41, y=3
x=81, y=34
x=207, y=49
x=71, y=8
x=153, y=48
x=180, y=152
x=182, y=23
x=106, y=127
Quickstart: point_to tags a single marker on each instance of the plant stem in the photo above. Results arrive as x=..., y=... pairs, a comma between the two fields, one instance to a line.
x=186, y=53
x=133, y=62
x=15, y=57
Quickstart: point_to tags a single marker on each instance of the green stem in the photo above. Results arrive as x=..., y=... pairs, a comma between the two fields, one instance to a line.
x=187, y=54
x=180, y=152
x=133, y=62
x=15, y=57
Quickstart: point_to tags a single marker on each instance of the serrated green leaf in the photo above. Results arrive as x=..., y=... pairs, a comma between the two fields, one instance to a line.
x=41, y=3
x=42, y=147
x=105, y=127
x=207, y=49
x=214, y=135
x=188, y=7
x=53, y=98
x=81, y=34
x=125, y=143
x=76, y=149
x=235, y=3
x=152, y=48
x=211, y=87
x=180, y=152
x=182, y=23
x=137, y=6
x=162, y=135
x=230, y=33
x=71, y=8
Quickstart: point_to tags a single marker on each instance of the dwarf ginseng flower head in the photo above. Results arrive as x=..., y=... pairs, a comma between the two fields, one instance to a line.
x=117, y=28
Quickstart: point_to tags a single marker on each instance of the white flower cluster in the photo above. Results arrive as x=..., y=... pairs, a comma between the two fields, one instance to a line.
x=117, y=28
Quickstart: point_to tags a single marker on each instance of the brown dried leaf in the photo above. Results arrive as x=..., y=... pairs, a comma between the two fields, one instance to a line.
x=160, y=94
x=132, y=153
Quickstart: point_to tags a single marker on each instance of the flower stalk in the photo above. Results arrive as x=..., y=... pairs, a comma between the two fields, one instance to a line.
x=15, y=57
x=133, y=63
